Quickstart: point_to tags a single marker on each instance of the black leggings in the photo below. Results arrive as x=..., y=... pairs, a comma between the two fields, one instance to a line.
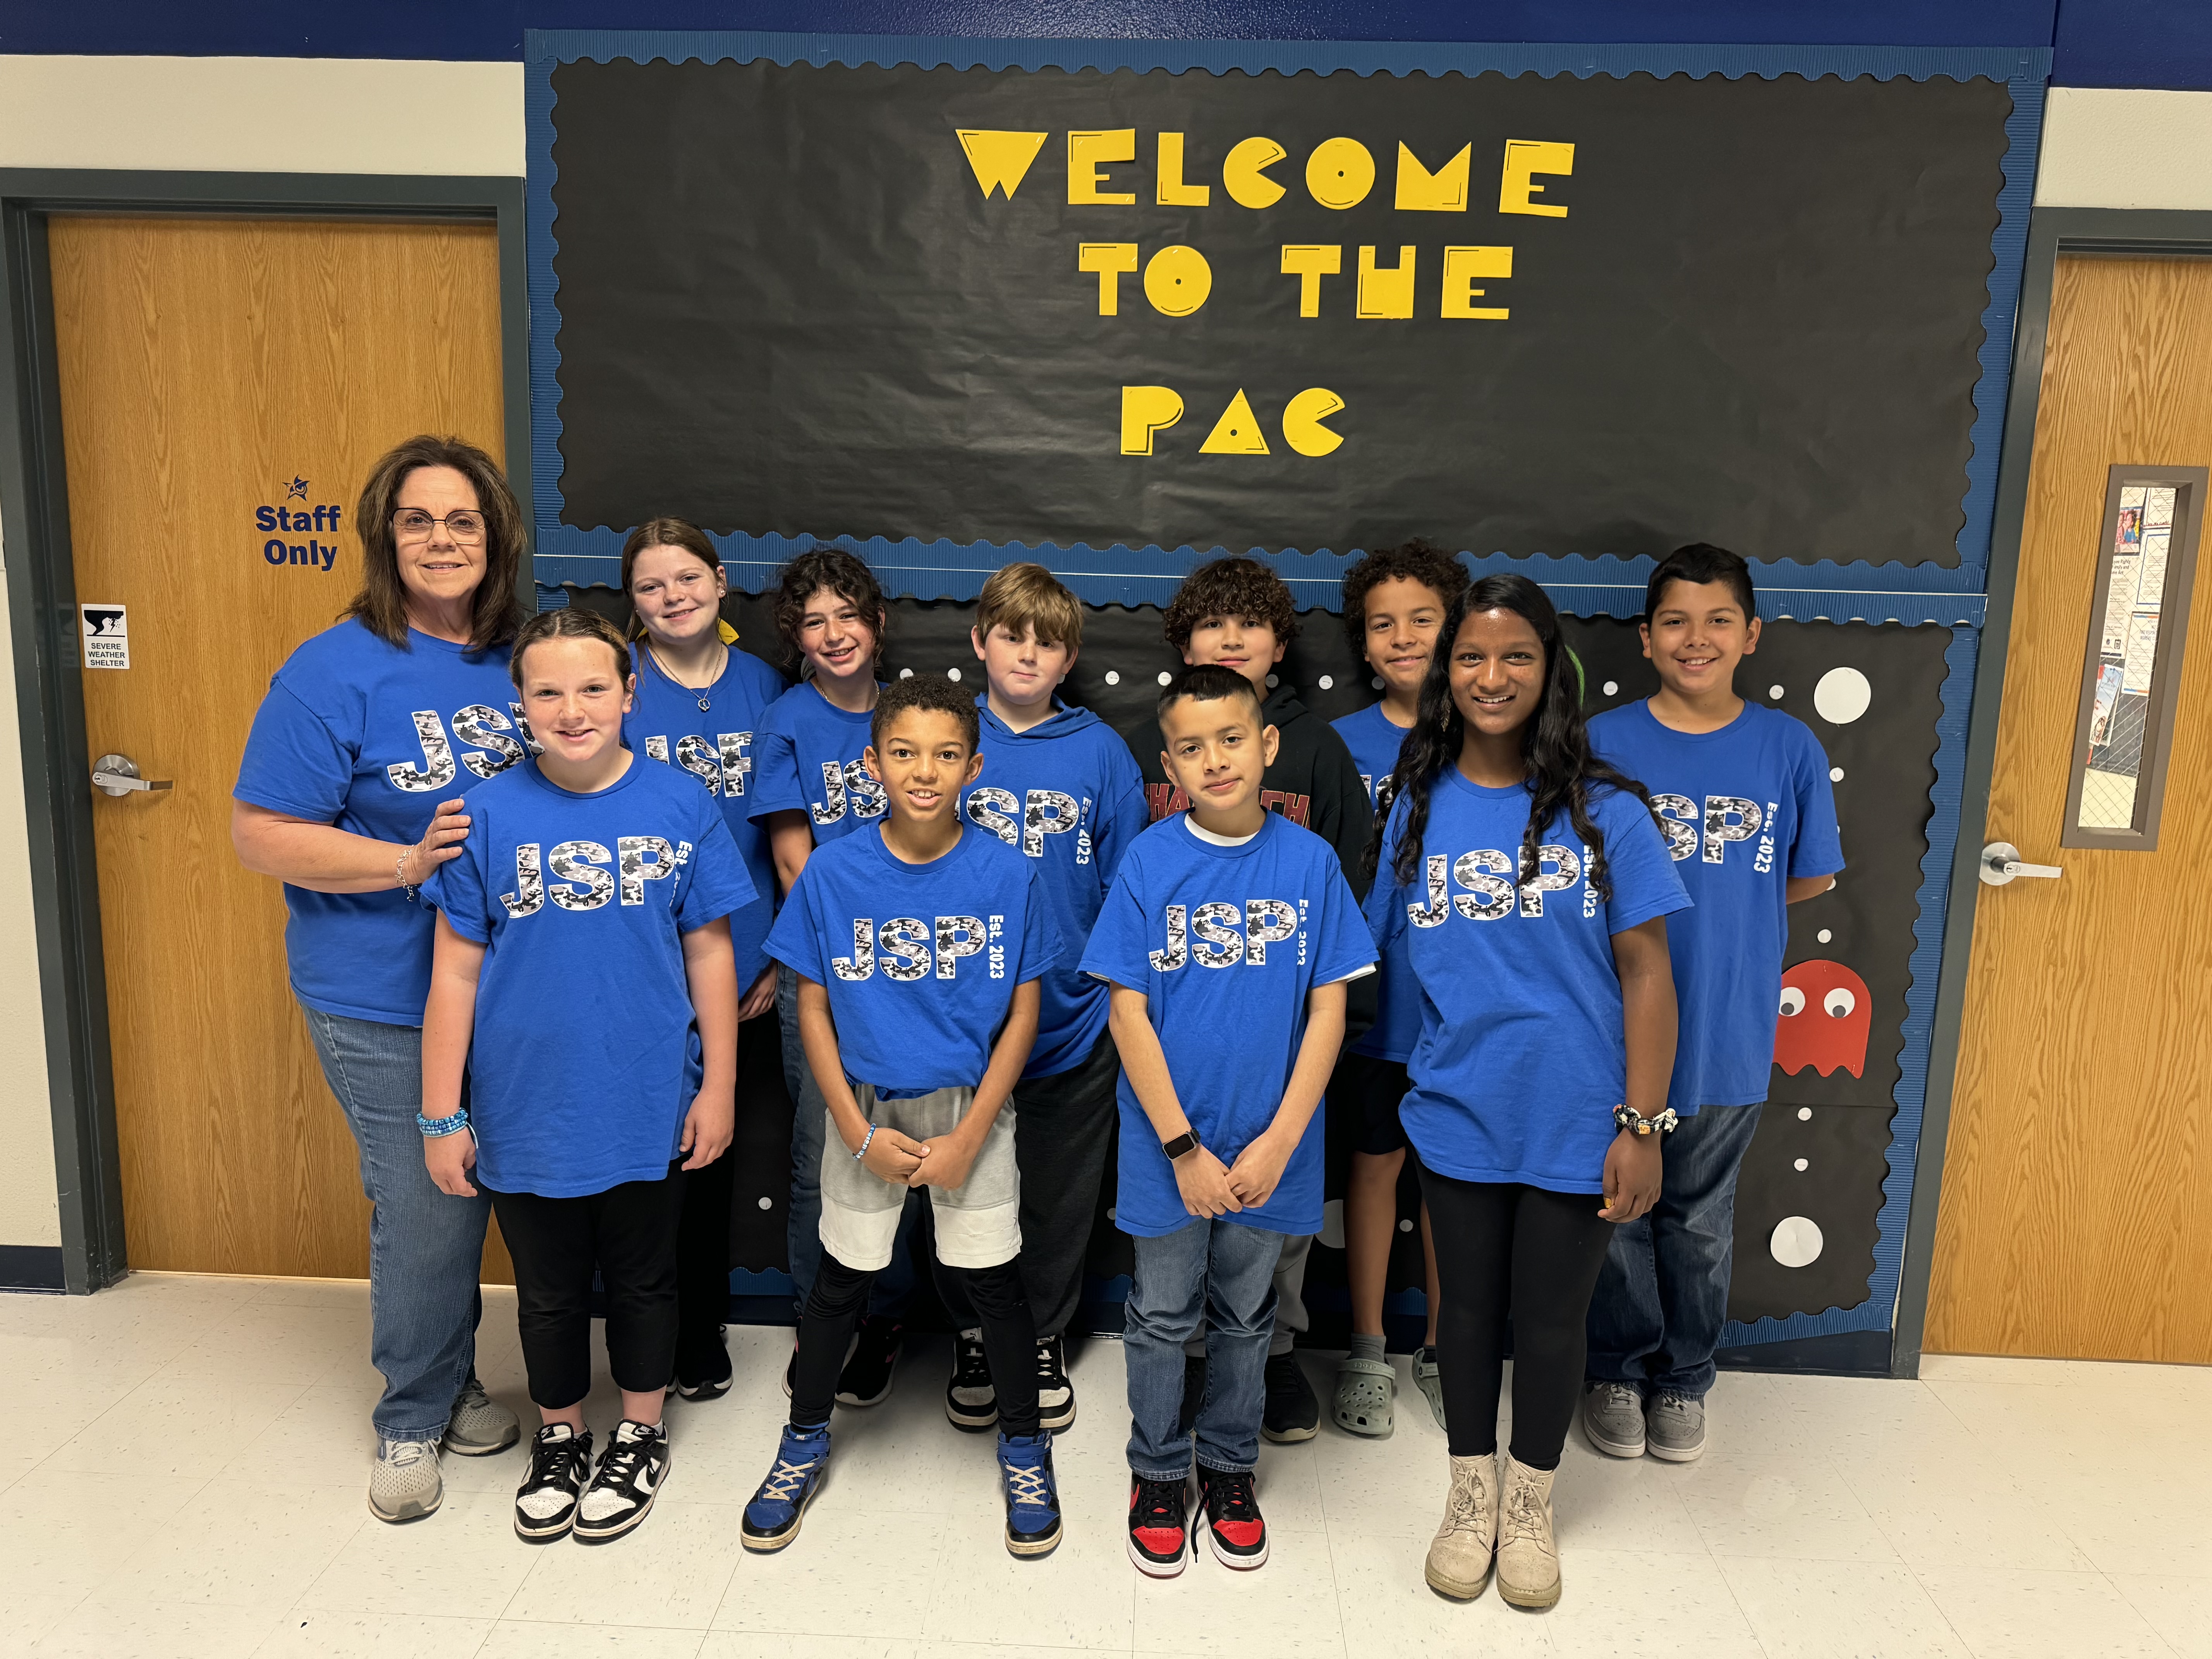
x=702, y=1270
x=1520, y=1256
x=840, y=1296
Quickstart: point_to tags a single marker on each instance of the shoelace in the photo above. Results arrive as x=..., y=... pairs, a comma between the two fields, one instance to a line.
x=406, y=1454
x=622, y=1459
x=473, y=1395
x=1523, y=1517
x=785, y=1479
x=1676, y=1400
x=1234, y=1498
x=1028, y=1486
x=1156, y=1503
x=1464, y=1515
x=1620, y=1394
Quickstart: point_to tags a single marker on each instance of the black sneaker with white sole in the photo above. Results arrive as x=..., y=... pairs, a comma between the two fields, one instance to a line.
x=1292, y=1411
x=867, y=1378
x=1055, y=1393
x=545, y=1502
x=623, y=1486
x=703, y=1368
x=971, y=1401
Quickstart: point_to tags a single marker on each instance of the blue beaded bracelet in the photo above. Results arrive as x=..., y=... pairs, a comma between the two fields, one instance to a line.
x=436, y=1126
x=864, y=1139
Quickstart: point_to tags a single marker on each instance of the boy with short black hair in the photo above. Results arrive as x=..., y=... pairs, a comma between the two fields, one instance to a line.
x=1227, y=940
x=1742, y=793
x=1062, y=788
x=1240, y=615
x=918, y=947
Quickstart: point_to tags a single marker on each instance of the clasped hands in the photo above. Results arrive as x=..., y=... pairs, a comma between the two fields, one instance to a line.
x=1210, y=1187
x=905, y=1161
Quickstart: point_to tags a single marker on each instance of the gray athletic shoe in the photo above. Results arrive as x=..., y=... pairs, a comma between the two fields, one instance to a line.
x=480, y=1425
x=1613, y=1417
x=1675, y=1428
x=404, y=1483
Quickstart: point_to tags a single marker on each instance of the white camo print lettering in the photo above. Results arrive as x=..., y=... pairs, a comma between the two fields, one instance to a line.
x=572, y=862
x=862, y=962
x=1045, y=812
x=1566, y=872
x=1266, y=921
x=521, y=724
x=867, y=796
x=1433, y=913
x=1489, y=897
x=486, y=728
x=528, y=897
x=1216, y=925
x=736, y=760
x=657, y=749
x=904, y=941
x=993, y=809
x=430, y=733
x=833, y=787
x=1678, y=822
x=694, y=755
x=1719, y=809
x=1178, y=947
x=636, y=872
x=957, y=937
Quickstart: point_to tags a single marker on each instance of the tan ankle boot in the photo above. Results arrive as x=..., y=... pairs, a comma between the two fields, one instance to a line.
x=1527, y=1559
x=1458, y=1559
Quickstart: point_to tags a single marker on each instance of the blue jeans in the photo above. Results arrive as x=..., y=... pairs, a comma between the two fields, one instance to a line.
x=1218, y=1276
x=425, y=1247
x=1662, y=1294
x=810, y=1128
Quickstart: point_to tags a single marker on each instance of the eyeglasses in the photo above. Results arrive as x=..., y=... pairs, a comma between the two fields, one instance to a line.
x=414, y=525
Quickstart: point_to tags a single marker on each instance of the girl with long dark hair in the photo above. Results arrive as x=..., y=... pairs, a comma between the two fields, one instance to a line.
x=1531, y=885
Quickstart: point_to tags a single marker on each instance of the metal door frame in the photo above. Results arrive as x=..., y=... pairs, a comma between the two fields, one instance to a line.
x=2150, y=232
x=34, y=532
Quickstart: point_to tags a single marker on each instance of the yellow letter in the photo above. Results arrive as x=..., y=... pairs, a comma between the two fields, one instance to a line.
x=1443, y=191
x=1000, y=159
x=1147, y=410
x=1526, y=156
x=1085, y=151
x=1178, y=279
x=1465, y=266
x=1243, y=175
x=1301, y=421
x=1385, y=293
x=1109, y=260
x=1237, y=432
x=1173, y=192
x=1339, y=173
x=1310, y=264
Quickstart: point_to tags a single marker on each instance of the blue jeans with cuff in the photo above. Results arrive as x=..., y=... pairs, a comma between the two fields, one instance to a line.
x=1662, y=1294
x=1216, y=1278
x=425, y=1247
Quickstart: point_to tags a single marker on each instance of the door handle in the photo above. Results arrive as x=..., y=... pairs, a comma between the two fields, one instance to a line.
x=118, y=774
x=2001, y=863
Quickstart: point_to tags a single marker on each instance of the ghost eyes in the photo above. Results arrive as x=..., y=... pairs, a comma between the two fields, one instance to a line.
x=1838, y=1003
x=1793, y=1001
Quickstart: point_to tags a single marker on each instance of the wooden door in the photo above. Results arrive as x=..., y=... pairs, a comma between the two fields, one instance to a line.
x=2072, y=1221
x=224, y=384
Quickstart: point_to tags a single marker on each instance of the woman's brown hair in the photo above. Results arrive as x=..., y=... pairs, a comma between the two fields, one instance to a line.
x=495, y=611
x=663, y=532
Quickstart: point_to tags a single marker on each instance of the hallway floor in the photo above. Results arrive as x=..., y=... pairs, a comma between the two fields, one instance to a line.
x=188, y=1461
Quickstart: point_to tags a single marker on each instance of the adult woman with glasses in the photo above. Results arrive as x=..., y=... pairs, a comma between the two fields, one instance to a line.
x=350, y=794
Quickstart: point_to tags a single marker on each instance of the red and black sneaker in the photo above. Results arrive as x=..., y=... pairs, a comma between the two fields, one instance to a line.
x=1231, y=1514
x=1159, y=1526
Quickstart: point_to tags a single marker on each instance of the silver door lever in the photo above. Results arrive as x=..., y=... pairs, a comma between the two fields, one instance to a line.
x=2001, y=863
x=118, y=774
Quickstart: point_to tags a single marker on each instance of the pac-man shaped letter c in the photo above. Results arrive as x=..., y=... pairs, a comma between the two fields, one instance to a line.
x=1301, y=421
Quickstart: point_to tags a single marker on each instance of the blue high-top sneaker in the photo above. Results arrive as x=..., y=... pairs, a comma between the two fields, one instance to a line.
x=1032, y=1493
x=771, y=1520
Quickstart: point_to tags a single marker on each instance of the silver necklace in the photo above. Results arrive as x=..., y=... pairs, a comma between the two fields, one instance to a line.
x=706, y=703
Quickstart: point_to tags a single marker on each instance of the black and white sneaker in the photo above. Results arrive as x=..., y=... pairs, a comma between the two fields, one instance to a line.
x=545, y=1502
x=971, y=1402
x=867, y=1378
x=623, y=1486
x=703, y=1371
x=1055, y=1393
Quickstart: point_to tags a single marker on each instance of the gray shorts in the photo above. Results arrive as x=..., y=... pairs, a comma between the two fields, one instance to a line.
x=978, y=1222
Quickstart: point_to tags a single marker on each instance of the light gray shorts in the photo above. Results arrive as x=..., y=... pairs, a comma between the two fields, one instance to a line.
x=978, y=1222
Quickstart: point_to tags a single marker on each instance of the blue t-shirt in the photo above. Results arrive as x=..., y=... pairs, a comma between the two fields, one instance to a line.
x=807, y=759
x=1067, y=793
x=921, y=960
x=716, y=745
x=586, y=1056
x=1523, y=1053
x=1226, y=943
x=361, y=733
x=1373, y=743
x=1743, y=810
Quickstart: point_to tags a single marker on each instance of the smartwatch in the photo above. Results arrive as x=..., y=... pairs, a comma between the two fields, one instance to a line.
x=1185, y=1142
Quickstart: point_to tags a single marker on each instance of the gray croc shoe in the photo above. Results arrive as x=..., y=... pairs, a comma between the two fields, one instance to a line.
x=1429, y=1378
x=1365, y=1390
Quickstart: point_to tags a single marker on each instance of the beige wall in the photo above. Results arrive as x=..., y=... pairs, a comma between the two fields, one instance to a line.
x=2103, y=147
x=214, y=114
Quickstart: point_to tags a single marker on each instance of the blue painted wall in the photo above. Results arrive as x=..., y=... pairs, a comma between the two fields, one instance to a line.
x=2099, y=43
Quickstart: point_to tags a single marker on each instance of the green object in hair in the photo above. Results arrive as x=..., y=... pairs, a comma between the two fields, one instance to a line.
x=1581, y=682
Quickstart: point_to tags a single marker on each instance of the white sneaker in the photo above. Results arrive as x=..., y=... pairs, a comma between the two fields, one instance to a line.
x=1459, y=1556
x=1527, y=1556
x=405, y=1483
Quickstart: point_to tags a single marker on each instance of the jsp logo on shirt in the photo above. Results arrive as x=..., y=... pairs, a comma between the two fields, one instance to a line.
x=1227, y=933
x=479, y=725
x=580, y=884
x=845, y=786
x=1042, y=813
x=722, y=765
x=1725, y=818
x=1489, y=897
x=903, y=947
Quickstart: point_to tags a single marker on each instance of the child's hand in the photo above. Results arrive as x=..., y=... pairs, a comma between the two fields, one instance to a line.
x=449, y=1159
x=1632, y=1169
x=1204, y=1184
x=708, y=1128
x=761, y=998
x=947, y=1162
x=892, y=1157
x=1259, y=1169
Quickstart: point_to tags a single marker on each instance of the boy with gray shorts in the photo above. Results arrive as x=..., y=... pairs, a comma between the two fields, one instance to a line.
x=918, y=946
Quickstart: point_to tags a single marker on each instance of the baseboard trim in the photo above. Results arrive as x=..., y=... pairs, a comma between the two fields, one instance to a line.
x=32, y=1267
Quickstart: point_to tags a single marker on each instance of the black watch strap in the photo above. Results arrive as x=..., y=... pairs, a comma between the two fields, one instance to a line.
x=1185, y=1142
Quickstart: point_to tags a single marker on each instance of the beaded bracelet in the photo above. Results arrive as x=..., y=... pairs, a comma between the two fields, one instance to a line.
x=435, y=1127
x=399, y=874
x=864, y=1139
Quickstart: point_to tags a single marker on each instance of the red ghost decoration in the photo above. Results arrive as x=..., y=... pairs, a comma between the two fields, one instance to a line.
x=1826, y=1017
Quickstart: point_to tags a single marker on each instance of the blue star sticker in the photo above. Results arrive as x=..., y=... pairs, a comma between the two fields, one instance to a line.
x=297, y=490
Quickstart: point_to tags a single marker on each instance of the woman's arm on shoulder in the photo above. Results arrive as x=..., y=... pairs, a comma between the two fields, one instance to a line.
x=325, y=859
